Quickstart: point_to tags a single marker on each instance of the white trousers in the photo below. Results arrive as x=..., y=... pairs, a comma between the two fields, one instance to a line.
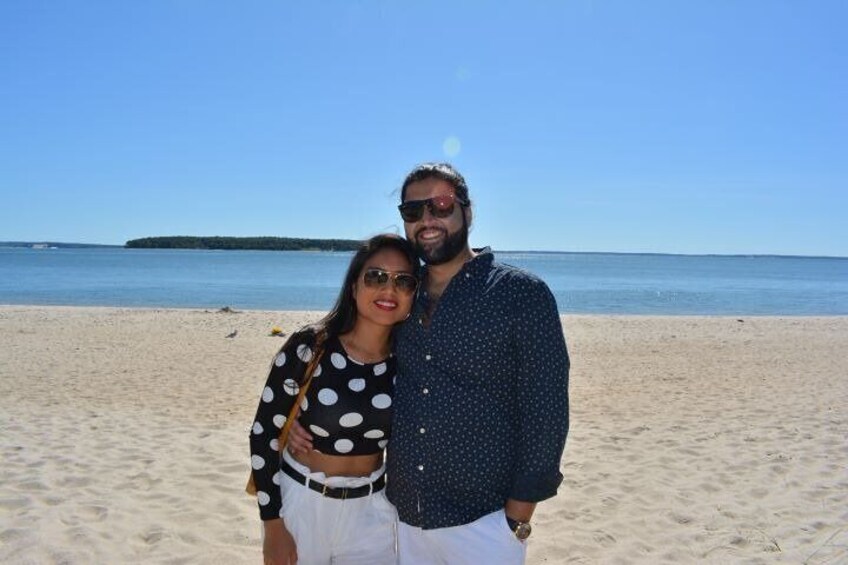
x=356, y=531
x=485, y=540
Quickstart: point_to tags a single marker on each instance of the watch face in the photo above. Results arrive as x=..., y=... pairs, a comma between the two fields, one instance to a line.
x=522, y=532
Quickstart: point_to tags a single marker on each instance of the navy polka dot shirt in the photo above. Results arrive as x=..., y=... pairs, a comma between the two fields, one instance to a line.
x=481, y=398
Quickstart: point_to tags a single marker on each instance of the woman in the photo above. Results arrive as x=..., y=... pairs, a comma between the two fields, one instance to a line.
x=328, y=503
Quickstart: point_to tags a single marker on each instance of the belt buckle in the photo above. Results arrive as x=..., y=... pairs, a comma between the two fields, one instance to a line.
x=343, y=490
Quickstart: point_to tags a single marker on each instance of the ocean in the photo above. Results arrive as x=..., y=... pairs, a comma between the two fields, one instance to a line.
x=583, y=283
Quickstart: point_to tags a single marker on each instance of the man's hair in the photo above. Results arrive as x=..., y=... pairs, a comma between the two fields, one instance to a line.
x=443, y=171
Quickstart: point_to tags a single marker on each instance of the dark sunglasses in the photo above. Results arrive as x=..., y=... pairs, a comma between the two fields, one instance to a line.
x=378, y=278
x=440, y=207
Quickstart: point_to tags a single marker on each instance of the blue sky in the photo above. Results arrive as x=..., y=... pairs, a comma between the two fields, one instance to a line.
x=651, y=126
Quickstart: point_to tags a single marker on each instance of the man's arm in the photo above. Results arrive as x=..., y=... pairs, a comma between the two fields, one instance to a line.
x=542, y=392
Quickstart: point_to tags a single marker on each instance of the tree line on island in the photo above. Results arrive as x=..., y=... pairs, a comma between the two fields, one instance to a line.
x=252, y=243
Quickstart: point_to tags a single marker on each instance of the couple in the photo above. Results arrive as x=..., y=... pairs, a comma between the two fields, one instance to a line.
x=474, y=422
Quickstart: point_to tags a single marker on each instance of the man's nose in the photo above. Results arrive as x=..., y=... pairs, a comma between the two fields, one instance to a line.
x=427, y=213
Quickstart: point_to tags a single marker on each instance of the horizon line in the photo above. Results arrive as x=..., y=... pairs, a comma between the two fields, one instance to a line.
x=14, y=244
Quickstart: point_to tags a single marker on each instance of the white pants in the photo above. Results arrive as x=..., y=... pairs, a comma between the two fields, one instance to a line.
x=329, y=530
x=485, y=540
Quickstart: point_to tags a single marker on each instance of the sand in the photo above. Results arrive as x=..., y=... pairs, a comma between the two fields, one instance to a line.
x=693, y=439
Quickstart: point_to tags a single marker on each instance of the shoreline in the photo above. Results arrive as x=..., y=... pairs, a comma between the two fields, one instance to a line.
x=693, y=438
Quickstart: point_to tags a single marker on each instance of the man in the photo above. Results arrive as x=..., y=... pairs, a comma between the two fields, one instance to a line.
x=481, y=397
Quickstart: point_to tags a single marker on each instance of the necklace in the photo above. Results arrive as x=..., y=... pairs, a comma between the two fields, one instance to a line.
x=355, y=352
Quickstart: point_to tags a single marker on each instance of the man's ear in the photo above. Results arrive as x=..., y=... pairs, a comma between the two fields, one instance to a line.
x=469, y=215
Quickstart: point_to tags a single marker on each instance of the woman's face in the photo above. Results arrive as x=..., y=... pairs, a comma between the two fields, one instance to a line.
x=384, y=304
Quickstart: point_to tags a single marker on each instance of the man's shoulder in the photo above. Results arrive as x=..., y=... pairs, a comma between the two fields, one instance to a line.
x=512, y=275
x=504, y=277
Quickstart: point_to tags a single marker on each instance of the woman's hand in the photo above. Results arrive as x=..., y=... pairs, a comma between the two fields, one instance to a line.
x=278, y=547
x=300, y=441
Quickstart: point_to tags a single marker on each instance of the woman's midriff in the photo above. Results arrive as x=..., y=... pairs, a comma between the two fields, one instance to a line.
x=340, y=466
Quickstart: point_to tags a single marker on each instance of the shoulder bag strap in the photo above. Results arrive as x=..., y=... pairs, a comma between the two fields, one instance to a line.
x=307, y=380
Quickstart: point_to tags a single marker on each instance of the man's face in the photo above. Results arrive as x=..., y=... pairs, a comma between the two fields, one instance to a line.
x=437, y=240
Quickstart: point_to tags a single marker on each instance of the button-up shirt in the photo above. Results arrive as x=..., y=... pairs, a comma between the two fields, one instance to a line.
x=481, y=398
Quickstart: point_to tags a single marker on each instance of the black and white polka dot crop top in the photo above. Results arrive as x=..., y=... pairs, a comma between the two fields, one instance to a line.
x=348, y=405
x=347, y=409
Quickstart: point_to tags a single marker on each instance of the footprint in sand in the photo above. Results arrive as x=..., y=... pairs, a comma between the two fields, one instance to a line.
x=152, y=537
x=739, y=541
x=567, y=514
x=94, y=512
x=30, y=486
x=12, y=535
x=681, y=519
x=75, y=481
x=14, y=503
x=603, y=538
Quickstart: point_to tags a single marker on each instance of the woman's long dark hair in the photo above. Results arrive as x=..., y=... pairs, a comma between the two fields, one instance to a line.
x=342, y=317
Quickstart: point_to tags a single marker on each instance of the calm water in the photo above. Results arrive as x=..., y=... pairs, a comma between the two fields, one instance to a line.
x=296, y=280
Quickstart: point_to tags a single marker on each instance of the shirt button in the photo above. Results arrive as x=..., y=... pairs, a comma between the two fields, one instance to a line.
x=422, y=430
x=426, y=391
x=427, y=357
x=467, y=276
x=421, y=467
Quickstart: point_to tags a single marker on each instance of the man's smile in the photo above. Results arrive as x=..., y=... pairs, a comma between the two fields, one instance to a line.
x=429, y=234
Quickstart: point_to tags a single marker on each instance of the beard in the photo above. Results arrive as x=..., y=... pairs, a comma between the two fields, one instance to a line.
x=451, y=246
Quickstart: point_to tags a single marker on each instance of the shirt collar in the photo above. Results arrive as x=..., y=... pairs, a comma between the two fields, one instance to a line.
x=481, y=262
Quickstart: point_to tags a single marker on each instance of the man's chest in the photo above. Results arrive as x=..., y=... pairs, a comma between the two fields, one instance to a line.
x=465, y=342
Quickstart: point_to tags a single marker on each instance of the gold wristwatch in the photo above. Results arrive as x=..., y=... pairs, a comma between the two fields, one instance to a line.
x=521, y=530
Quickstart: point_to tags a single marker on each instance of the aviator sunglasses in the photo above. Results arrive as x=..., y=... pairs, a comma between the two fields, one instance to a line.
x=440, y=207
x=378, y=278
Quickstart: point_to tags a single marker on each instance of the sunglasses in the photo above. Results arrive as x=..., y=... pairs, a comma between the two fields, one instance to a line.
x=439, y=206
x=378, y=278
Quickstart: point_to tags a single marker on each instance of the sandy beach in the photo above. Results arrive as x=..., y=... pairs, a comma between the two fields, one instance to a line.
x=693, y=439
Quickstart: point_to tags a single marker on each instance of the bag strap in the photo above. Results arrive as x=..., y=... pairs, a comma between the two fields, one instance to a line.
x=307, y=380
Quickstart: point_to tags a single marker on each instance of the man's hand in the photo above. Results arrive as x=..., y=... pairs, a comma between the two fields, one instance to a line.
x=278, y=547
x=300, y=441
x=518, y=510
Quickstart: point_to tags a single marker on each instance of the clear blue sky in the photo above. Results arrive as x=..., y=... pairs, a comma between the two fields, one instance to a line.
x=657, y=126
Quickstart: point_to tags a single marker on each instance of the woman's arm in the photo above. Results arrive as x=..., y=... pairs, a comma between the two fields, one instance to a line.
x=278, y=398
x=278, y=547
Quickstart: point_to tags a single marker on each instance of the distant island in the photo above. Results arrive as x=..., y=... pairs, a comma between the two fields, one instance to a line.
x=253, y=243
